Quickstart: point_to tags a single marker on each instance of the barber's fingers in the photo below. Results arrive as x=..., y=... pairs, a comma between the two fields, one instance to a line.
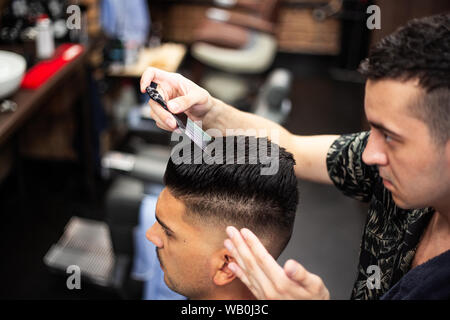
x=146, y=78
x=277, y=285
x=159, y=122
x=245, y=259
x=308, y=281
x=158, y=76
x=194, y=97
x=296, y=272
x=239, y=249
x=257, y=292
x=195, y=102
x=262, y=257
x=180, y=93
x=163, y=118
x=178, y=105
x=239, y=269
x=149, y=75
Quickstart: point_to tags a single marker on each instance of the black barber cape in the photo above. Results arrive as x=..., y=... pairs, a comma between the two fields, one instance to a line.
x=428, y=281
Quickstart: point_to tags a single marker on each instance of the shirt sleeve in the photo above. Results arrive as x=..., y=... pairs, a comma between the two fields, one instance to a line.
x=346, y=168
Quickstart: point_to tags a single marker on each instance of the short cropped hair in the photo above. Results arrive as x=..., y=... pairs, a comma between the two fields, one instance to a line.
x=236, y=193
x=420, y=50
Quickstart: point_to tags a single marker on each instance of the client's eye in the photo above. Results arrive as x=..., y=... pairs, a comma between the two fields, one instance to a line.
x=167, y=232
x=387, y=137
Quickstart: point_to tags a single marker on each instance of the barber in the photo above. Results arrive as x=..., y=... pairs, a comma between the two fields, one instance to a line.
x=401, y=167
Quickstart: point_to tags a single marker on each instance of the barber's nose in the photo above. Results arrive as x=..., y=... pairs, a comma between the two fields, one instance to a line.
x=374, y=153
x=152, y=235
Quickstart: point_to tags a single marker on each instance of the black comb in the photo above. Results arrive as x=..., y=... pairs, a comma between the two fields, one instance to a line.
x=186, y=125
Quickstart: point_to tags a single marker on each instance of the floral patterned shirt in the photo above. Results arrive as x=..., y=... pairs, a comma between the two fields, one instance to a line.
x=391, y=234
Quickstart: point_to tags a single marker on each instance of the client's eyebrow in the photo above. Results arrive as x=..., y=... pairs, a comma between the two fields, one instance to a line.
x=379, y=126
x=163, y=224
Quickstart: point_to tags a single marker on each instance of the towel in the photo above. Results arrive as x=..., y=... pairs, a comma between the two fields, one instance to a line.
x=44, y=70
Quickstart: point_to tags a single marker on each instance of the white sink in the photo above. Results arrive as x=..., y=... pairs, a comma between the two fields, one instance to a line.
x=12, y=70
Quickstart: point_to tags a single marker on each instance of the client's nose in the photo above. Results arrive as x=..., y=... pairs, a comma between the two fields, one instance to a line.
x=152, y=235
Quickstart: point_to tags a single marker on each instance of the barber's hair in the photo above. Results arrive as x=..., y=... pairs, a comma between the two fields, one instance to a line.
x=236, y=193
x=420, y=50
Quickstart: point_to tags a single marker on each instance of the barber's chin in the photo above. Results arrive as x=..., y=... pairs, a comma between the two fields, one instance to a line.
x=402, y=203
x=401, y=200
x=398, y=202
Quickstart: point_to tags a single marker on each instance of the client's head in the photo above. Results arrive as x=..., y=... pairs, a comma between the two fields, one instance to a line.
x=200, y=200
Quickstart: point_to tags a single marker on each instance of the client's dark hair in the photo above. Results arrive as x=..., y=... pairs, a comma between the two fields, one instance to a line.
x=420, y=50
x=236, y=193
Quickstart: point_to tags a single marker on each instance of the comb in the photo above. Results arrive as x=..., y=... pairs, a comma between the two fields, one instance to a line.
x=185, y=125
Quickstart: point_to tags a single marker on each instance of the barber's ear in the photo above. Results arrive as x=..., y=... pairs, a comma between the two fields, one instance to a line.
x=223, y=275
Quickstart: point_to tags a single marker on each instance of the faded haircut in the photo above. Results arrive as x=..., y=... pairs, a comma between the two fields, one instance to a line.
x=237, y=194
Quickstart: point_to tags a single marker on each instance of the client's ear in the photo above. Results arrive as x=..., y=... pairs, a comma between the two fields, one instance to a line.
x=223, y=275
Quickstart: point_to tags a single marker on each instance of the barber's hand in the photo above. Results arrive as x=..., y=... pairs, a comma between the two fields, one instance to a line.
x=267, y=280
x=181, y=95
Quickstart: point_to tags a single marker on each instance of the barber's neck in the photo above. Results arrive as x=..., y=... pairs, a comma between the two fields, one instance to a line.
x=443, y=212
x=442, y=221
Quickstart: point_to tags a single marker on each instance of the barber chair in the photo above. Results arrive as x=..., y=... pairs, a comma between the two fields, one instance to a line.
x=238, y=45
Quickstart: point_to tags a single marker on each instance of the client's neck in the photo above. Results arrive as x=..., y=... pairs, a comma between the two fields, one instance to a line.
x=234, y=291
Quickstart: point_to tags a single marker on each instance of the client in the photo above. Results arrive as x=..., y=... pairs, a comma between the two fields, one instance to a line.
x=200, y=200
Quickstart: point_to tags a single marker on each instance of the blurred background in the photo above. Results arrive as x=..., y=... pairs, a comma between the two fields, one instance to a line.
x=80, y=155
